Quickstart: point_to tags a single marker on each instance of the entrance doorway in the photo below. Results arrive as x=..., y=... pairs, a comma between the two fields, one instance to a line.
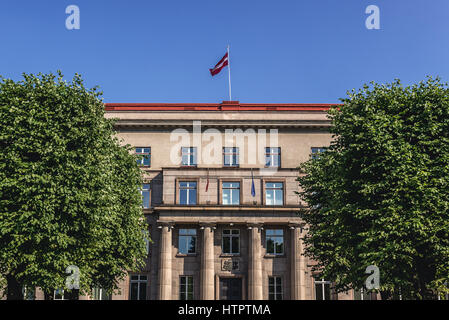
x=230, y=289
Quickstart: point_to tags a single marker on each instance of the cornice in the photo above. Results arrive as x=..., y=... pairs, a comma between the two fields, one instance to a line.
x=242, y=124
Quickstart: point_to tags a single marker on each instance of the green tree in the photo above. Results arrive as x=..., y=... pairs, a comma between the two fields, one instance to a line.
x=379, y=195
x=69, y=192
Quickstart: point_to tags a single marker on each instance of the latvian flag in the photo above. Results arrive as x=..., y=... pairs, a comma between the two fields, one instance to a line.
x=207, y=183
x=220, y=65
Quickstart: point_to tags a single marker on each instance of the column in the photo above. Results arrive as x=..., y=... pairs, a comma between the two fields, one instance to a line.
x=302, y=265
x=295, y=261
x=165, y=263
x=255, y=264
x=207, y=263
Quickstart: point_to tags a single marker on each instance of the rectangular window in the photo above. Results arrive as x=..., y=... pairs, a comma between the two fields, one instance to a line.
x=316, y=152
x=274, y=288
x=100, y=294
x=145, y=154
x=186, y=288
x=322, y=290
x=138, y=287
x=29, y=293
x=61, y=294
x=231, y=193
x=188, y=156
x=58, y=294
x=145, y=192
x=187, y=192
x=231, y=157
x=275, y=241
x=273, y=157
x=231, y=241
x=361, y=294
x=187, y=241
x=274, y=193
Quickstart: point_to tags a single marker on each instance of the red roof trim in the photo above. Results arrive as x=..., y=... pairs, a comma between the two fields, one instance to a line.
x=225, y=106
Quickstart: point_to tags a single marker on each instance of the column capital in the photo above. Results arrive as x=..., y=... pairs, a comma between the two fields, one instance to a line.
x=211, y=225
x=254, y=225
x=169, y=224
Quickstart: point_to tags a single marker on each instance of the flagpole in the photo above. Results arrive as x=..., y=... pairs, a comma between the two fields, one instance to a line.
x=229, y=74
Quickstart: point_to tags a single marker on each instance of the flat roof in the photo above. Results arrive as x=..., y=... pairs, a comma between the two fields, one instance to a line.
x=224, y=106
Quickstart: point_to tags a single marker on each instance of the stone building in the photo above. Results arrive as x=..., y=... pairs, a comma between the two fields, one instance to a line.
x=219, y=196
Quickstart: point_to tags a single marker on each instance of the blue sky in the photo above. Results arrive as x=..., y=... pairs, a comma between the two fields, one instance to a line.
x=296, y=51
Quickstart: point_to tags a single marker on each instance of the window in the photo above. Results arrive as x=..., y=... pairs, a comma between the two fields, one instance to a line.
x=138, y=287
x=100, y=294
x=58, y=294
x=61, y=294
x=231, y=193
x=322, y=290
x=145, y=192
x=274, y=288
x=187, y=241
x=187, y=192
x=231, y=157
x=361, y=294
x=274, y=193
x=317, y=151
x=186, y=288
x=231, y=241
x=28, y=293
x=188, y=156
x=273, y=157
x=275, y=241
x=145, y=154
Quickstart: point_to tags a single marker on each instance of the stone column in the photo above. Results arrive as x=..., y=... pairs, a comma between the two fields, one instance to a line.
x=302, y=266
x=295, y=262
x=207, y=263
x=165, y=263
x=255, y=291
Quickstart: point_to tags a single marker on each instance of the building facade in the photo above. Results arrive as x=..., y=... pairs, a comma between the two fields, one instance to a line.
x=219, y=196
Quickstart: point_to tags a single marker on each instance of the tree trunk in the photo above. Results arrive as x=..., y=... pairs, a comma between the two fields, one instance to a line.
x=425, y=293
x=14, y=290
x=425, y=273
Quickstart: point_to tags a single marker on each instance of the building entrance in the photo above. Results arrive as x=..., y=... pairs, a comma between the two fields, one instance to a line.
x=230, y=289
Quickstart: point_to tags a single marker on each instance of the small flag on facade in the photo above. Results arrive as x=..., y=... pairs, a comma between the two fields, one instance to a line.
x=220, y=65
x=207, y=183
x=253, y=189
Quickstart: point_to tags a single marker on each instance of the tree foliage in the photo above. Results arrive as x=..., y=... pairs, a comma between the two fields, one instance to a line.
x=379, y=195
x=68, y=190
